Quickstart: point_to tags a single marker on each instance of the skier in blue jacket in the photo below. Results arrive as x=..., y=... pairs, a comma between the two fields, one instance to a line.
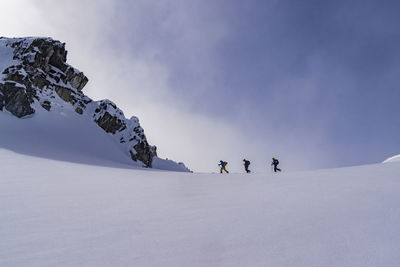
x=246, y=164
x=275, y=162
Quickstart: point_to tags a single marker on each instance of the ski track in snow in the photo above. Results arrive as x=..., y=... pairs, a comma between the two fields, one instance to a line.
x=56, y=213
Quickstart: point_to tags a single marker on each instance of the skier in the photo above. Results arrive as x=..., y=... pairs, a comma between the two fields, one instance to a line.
x=223, y=165
x=246, y=164
x=275, y=162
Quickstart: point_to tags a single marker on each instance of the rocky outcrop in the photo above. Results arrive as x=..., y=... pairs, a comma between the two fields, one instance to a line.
x=39, y=77
x=112, y=120
x=40, y=68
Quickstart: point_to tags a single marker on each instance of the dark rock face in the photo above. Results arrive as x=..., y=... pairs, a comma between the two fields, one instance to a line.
x=16, y=100
x=109, y=123
x=143, y=149
x=41, y=75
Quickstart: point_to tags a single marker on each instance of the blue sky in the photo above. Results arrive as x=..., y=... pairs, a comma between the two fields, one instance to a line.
x=314, y=83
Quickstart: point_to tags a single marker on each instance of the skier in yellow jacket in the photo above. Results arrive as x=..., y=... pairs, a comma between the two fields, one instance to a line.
x=223, y=165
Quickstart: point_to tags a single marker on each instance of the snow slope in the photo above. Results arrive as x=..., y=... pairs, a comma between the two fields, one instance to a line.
x=393, y=159
x=61, y=135
x=65, y=135
x=57, y=213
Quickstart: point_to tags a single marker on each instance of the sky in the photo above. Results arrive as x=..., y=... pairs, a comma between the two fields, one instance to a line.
x=314, y=83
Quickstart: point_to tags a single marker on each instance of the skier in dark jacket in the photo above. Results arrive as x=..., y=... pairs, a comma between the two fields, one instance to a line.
x=275, y=162
x=246, y=164
x=223, y=165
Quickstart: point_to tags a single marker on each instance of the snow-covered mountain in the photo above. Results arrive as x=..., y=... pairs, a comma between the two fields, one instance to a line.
x=58, y=213
x=36, y=79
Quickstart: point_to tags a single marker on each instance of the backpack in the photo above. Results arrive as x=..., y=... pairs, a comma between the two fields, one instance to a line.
x=276, y=161
x=225, y=163
x=247, y=162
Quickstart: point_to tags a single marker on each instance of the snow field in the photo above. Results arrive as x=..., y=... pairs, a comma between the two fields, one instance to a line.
x=57, y=213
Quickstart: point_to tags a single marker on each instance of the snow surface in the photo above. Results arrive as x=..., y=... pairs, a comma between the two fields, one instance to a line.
x=58, y=213
x=393, y=159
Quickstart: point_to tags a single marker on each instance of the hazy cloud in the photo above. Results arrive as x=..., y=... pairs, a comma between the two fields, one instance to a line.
x=313, y=82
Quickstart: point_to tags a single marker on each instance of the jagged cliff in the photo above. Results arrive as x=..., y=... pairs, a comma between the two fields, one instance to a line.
x=34, y=74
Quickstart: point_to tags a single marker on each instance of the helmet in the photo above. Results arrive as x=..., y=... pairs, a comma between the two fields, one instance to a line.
x=244, y=159
x=273, y=157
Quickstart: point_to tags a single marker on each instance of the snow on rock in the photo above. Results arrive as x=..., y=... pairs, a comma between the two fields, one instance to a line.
x=393, y=159
x=35, y=76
